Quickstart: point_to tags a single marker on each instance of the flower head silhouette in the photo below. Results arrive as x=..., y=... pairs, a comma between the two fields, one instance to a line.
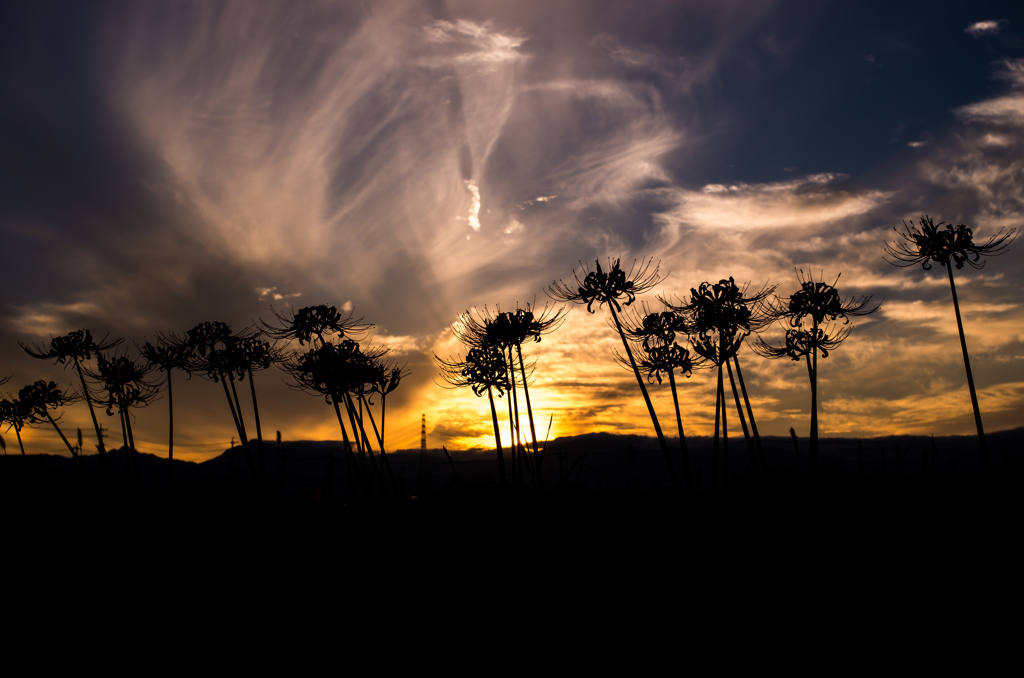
x=617, y=288
x=39, y=398
x=719, y=317
x=78, y=346
x=16, y=414
x=929, y=242
x=817, y=304
x=124, y=384
x=315, y=322
x=337, y=371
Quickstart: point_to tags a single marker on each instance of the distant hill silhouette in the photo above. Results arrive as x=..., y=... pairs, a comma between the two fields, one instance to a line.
x=597, y=461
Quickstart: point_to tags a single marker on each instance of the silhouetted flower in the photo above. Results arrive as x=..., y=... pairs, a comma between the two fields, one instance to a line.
x=611, y=288
x=799, y=343
x=41, y=397
x=928, y=242
x=819, y=303
x=482, y=369
x=315, y=321
x=15, y=413
x=617, y=288
x=78, y=346
x=655, y=329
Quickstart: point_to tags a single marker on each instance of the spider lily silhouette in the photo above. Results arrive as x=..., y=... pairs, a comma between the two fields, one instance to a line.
x=124, y=384
x=244, y=355
x=928, y=242
x=39, y=398
x=512, y=330
x=658, y=353
x=315, y=322
x=15, y=413
x=383, y=377
x=77, y=346
x=720, y=316
x=170, y=353
x=336, y=371
x=508, y=332
x=484, y=370
x=617, y=288
x=215, y=353
x=817, y=303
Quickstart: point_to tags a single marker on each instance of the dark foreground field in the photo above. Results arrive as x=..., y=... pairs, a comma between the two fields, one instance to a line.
x=601, y=486
x=850, y=544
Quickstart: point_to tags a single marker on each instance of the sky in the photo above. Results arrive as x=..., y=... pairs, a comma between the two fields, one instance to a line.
x=164, y=164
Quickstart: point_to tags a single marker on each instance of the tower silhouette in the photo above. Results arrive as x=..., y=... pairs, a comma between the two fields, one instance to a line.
x=424, y=474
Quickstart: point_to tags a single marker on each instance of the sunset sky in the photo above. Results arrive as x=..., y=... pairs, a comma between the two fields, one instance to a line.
x=168, y=163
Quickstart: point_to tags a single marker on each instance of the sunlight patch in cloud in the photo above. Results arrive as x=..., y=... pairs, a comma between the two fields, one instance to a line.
x=265, y=293
x=52, y=319
x=474, y=205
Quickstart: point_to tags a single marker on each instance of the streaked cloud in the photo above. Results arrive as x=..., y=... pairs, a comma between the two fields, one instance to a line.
x=816, y=200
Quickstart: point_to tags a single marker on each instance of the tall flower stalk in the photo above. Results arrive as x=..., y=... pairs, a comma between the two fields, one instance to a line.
x=124, y=384
x=654, y=338
x=41, y=397
x=719, y=316
x=76, y=346
x=212, y=349
x=15, y=413
x=168, y=355
x=485, y=371
x=617, y=288
x=929, y=242
x=815, y=304
x=334, y=370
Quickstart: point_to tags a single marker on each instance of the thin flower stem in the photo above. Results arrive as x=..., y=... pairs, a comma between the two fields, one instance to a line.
x=127, y=451
x=687, y=471
x=515, y=423
x=750, y=414
x=497, y=438
x=349, y=464
x=970, y=376
x=647, y=399
x=61, y=434
x=131, y=439
x=238, y=426
x=743, y=421
x=377, y=467
x=170, y=433
x=812, y=459
x=718, y=424
x=92, y=412
x=529, y=412
x=725, y=434
x=380, y=440
x=512, y=436
x=259, y=429
x=17, y=432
